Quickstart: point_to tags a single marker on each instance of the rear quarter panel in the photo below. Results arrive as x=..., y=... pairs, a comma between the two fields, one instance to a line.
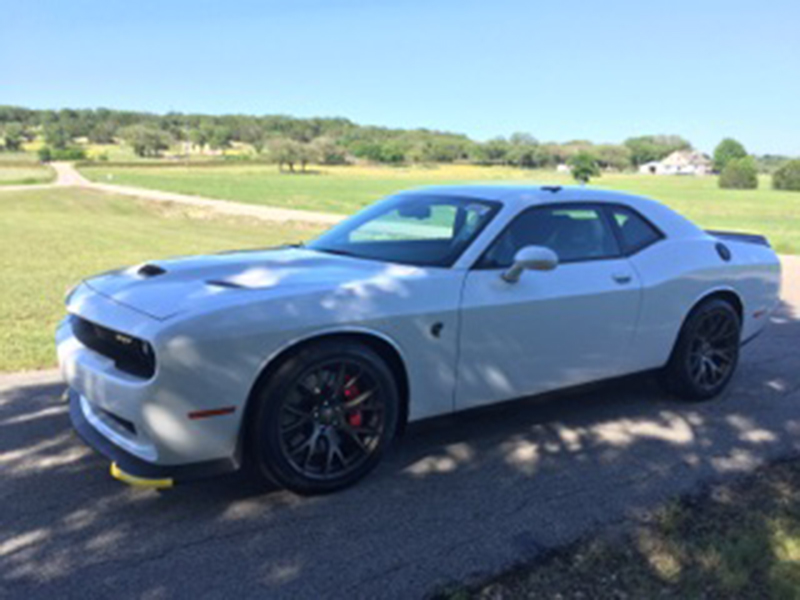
x=677, y=274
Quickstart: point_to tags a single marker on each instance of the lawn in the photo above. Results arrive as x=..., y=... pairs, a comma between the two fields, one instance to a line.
x=735, y=541
x=53, y=238
x=346, y=189
x=20, y=172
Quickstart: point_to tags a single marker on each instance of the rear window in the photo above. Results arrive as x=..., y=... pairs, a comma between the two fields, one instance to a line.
x=635, y=232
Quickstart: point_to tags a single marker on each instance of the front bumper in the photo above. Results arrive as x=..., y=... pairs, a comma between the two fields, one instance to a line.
x=132, y=469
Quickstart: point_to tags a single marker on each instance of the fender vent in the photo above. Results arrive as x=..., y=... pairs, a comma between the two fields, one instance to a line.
x=151, y=270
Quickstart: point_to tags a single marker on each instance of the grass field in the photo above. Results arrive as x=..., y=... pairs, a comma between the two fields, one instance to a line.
x=739, y=541
x=346, y=189
x=23, y=173
x=53, y=238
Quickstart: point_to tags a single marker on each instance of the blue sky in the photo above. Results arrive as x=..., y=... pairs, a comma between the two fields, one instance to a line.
x=599, y=70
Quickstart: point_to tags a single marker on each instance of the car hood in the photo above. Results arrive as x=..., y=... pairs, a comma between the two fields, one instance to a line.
x=162, y=289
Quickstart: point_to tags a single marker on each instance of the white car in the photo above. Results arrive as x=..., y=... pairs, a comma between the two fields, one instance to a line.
x=306, y=361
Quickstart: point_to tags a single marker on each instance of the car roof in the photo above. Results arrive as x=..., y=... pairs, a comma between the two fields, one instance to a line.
x=517, y=197
x=531, y=193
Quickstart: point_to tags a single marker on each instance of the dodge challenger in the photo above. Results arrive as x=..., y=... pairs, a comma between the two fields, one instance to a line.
x=304, y=362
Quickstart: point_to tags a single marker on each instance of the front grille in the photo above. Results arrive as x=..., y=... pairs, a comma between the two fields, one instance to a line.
x=130, y=354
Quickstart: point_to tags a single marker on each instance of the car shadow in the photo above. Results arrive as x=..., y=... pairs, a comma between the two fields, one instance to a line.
x=458, y=497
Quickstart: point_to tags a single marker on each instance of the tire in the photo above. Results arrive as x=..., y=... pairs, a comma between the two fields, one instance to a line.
x=324, y=419
x=706, y=354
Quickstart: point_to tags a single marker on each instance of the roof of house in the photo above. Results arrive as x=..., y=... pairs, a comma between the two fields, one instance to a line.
x=687, y=158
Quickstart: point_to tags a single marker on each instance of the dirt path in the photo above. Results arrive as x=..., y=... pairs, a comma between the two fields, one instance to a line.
x=68, y=176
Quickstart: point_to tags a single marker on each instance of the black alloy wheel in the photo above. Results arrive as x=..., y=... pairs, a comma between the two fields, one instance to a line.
x=707, y=352
x=325, y=417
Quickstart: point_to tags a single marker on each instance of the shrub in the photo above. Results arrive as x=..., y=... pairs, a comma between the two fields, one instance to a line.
x=787, y=177
x=584, y=167
x=739, y=174
x=69, y=153
x=46, y=153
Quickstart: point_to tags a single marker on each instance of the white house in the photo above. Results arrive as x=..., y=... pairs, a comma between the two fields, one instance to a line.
x=680, y=162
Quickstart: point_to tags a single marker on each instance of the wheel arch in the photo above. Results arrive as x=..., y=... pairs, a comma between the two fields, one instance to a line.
x=381, y=344
x=727, y=294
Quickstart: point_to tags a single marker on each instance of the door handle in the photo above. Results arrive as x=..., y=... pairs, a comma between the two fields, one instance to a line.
x=622, y=278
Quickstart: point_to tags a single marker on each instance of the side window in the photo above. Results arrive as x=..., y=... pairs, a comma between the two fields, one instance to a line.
x=574, y=233
x=635, y=233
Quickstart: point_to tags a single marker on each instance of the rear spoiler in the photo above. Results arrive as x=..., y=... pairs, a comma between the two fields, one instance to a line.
x=748, y=238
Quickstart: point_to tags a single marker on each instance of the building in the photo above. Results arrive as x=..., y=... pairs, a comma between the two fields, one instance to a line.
x=680, y=162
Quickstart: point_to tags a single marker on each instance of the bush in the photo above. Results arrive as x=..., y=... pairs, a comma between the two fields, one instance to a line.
x=787, y=177
x=739, y=174
x=46, y=153
x=584, y=167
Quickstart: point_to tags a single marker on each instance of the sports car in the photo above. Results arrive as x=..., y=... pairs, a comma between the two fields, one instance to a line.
x=304, y=362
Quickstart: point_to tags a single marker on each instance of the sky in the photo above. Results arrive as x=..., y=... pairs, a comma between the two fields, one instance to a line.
x=601, y=70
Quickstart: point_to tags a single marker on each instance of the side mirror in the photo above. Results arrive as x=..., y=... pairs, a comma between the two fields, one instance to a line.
x=534, y=258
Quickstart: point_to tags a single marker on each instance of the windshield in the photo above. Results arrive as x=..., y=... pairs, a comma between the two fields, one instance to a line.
x=414, y=229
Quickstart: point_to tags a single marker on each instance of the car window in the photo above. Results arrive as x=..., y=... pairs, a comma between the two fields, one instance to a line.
x=436, y=223
x=573, y=233
x=635, y=232
x=414, y=229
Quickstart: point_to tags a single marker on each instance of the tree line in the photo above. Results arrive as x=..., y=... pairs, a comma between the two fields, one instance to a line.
x=294, y=143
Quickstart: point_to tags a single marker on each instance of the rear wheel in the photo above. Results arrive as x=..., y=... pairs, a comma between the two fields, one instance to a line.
x=324, y=418
x=707, y=352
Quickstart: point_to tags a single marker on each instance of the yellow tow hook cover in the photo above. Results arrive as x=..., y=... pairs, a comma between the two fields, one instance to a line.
x=121, y=475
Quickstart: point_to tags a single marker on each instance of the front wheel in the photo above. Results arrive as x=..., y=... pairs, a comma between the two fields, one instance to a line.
x=706, y=353
x=324, y=418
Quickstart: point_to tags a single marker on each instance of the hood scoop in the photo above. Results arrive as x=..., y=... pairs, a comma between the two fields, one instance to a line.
x=150, y=270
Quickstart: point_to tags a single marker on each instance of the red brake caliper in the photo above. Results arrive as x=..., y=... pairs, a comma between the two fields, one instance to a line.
x=353, y=418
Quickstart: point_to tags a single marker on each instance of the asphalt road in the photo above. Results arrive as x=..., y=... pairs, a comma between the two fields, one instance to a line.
x=458, y=499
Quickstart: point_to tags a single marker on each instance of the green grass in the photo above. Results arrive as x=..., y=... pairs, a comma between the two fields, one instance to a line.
x=347, y=189
x=21, y=157
x=53, y=238
x=741, y=541
x=20, y=173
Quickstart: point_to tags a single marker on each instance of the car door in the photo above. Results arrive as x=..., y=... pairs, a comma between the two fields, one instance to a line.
x=550, y=329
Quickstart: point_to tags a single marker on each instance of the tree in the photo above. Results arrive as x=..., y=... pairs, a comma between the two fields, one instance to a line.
x=739, y=174
x=284, y=151
x=493, y=152
x=13, y=135
x=611, y=156
x=787, y=177
x=524, y=151
x=220, y=137
x=726, y=151
x=146, y=140
x=251, y=133
x=57, y=136
x=199, y=137
x=103, y=133
x=306, y=153
x=329, y=152
x=584, y=166
x=647, y=148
